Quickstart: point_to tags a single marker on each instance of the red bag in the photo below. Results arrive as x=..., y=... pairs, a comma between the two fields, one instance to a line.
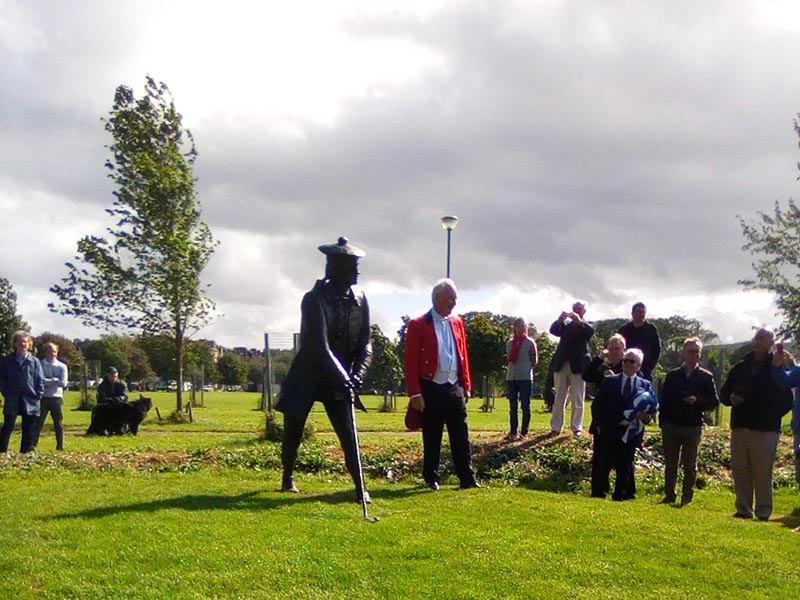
x=413, y=418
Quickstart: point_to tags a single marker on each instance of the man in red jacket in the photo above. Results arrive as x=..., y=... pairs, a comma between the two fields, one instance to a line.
x=439, y=383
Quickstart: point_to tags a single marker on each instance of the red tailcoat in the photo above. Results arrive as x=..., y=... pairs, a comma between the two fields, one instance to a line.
x=422, y=352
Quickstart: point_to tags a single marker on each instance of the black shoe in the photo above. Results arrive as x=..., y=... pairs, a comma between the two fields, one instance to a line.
x=469, y=485
x=433, y=485
x=668, y=500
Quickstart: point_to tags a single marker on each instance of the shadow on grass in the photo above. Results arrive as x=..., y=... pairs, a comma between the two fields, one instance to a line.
x=792, y=520
x=249, y=501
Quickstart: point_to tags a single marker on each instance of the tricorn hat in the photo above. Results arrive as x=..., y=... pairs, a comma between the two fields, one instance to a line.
x=342, y=248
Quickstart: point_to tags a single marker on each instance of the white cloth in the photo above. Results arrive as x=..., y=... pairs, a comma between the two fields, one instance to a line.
x=447, y=369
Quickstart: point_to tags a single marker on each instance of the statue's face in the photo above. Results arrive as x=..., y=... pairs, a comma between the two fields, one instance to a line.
x=344, y=271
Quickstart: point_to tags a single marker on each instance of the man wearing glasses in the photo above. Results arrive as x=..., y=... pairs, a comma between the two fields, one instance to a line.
x=623, y=405
x=688, y=391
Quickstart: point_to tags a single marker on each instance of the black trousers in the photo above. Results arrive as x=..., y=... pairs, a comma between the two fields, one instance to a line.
x=445, y=405
x=54, y=406
x=29, y=422
x=611, y=452
x=340, y=413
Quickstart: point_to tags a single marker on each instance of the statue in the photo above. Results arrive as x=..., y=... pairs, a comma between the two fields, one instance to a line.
x=329, y=367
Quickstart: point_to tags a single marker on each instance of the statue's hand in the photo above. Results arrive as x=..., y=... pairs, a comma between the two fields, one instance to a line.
x=355, y=380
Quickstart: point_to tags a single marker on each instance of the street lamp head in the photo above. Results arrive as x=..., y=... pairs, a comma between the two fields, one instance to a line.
x=449, y=222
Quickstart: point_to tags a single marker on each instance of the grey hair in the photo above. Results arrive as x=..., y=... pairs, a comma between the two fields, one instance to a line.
x=441, y=285
x=636, y=352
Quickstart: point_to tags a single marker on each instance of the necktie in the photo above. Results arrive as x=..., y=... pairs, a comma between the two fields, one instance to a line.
x=626, y=391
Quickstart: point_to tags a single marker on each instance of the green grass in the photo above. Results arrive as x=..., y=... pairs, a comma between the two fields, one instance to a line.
x=192, y=511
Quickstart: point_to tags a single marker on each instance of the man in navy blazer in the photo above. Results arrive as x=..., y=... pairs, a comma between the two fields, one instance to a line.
x=618, y=428
x=569, y=362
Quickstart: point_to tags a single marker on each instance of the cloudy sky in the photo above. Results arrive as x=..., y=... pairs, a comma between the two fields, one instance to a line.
x=594, y=150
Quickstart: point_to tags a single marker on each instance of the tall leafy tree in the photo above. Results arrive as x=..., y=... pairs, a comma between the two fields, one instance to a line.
x=67, y=351
x=10, y=321
x=386, y=371
x=233, y=369
x=146, y=277
x=487, y=346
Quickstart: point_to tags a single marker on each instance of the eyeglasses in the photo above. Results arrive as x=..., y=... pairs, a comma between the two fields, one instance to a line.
x=629, y=361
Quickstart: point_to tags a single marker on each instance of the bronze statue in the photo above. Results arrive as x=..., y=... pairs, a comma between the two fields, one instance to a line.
x=334, y=354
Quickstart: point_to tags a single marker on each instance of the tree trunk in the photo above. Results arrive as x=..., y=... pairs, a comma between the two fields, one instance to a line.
x=179, y=365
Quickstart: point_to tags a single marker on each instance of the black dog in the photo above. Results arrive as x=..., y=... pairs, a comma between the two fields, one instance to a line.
x=115, y=418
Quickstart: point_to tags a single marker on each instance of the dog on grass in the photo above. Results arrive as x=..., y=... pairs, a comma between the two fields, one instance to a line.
x=116, y=418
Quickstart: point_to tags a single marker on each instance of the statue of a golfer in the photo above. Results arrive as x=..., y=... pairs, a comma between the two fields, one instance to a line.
x=334, y=354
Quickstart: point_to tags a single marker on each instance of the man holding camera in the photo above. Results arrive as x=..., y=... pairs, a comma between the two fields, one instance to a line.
x=569, y=361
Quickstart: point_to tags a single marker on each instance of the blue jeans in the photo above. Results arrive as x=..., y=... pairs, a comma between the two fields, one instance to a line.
x=519, y=390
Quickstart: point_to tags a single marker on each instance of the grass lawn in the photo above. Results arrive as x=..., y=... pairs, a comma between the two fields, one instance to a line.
x=193, y=511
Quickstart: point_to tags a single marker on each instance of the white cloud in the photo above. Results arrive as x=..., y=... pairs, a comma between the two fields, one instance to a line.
x=600, y=151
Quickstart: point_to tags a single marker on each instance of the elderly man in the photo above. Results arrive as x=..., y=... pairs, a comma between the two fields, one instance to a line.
x=570, y=360
x=623, y=405
x=22, y=386
x=439, y=382
x=758, y=404
x=334, y=354
x=688, y=391
x=640, y=333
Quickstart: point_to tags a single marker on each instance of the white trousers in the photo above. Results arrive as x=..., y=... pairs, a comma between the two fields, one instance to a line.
x=568, y=383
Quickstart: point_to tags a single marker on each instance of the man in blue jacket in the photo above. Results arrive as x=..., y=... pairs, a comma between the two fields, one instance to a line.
x=22, y=386
x=787, y=374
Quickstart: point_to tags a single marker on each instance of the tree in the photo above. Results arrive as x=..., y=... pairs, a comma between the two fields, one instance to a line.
x=775, y=238
x=545, y=348
x=200, y=355
x=386, y=371
x=10, y=321
x=233, y=369
x=68, y=352
x=487, y=346
x=672, y=331
x=109, y=353
x=148, y=277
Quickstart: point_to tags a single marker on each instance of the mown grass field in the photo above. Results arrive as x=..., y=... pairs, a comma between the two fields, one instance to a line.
x=193, y=511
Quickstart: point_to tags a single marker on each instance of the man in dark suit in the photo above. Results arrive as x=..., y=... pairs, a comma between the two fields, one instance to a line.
x=688, y=391
x=334, y=354
x=439, y=383
x=618, y=427
x=640, y=333
x=569, y=362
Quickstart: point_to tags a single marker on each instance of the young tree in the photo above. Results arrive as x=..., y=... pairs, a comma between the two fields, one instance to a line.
x=10, y=321
x=147, y=278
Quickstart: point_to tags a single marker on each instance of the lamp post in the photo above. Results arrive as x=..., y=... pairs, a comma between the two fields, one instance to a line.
x=449, y=222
